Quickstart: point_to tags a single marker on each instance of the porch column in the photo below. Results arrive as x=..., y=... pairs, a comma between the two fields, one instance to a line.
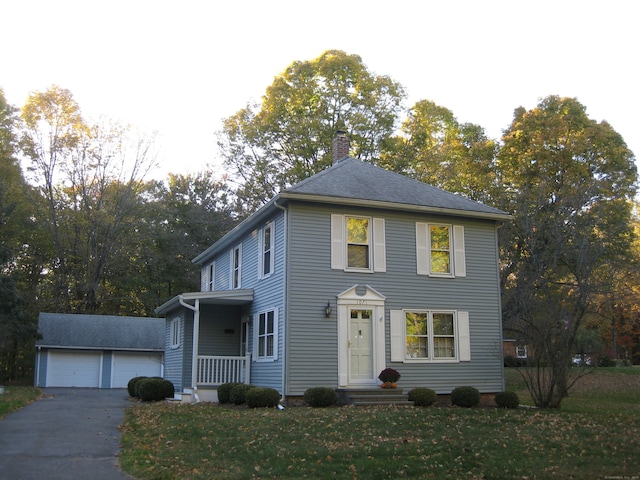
x=196, y=336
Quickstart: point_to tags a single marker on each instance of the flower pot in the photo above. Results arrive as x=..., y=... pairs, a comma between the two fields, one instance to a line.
x=389, y=385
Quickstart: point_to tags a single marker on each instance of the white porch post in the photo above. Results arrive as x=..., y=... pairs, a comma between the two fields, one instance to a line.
x=196, y=336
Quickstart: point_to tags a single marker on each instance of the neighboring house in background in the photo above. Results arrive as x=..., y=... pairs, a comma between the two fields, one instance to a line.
x=97, y=351
x=515, y=349
x=348, y=272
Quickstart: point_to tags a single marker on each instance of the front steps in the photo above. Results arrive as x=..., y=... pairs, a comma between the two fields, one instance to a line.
x=372, y=396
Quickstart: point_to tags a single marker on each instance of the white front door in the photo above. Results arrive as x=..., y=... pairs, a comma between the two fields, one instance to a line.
x=361, y=336
x=360, y=346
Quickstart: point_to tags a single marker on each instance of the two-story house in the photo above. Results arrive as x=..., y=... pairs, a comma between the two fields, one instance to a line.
x=350, y=271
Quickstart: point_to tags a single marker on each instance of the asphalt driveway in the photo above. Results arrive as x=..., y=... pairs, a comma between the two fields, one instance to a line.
x=72, y=433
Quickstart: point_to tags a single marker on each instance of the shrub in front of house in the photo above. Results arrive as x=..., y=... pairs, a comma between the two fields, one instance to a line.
x=507, y=400
x=154, y=389
x=465, y=397
x=238, y=395
x=262, y=397
x=224, y=392
x=131, y=386
x=422, y=397
x=320, y=397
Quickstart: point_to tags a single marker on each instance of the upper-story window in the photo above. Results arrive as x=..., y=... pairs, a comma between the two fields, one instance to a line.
x=358, y=244
x=211, y=276
x=440, y=246
x=267, y=249
x=440, y=250
x=236, y=266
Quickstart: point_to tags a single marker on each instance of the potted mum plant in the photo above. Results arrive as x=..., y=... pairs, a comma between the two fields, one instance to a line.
x=389, y=378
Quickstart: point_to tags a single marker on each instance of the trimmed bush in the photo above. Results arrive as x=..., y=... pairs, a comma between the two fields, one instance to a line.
x=131, y=386
x=465, y=397
x=262, y=397
x=422, y=397
x=154, y=389
x=320, y=397
x=507, y=400
x=238, y=394
x=224, y=392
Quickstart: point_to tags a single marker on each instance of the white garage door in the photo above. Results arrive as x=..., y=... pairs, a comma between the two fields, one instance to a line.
x=73, y=369
x=127, y=365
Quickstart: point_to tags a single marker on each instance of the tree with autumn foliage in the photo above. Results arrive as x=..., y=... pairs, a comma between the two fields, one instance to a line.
x=569, y=182
x=287, y=137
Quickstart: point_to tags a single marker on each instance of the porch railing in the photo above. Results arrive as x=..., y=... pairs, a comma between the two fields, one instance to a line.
x=216, y=370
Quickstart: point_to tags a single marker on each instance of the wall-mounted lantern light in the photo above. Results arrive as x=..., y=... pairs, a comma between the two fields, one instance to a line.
x=327, y=310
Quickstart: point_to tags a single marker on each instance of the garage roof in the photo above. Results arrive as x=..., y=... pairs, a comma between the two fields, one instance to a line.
x=111, y=332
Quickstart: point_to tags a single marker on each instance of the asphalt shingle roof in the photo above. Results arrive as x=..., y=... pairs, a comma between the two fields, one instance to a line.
x=354, y=179
x=101, y=331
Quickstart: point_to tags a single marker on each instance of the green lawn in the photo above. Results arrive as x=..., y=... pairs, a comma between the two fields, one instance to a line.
x=595, y=435
x=17, y=397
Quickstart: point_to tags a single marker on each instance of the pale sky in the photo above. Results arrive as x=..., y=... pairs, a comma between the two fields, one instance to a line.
x=181, y=67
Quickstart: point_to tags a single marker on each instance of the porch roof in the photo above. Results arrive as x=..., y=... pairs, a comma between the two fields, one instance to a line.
x=222, y=297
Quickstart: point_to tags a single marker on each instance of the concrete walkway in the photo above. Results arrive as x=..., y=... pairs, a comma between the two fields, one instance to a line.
x=72, y=433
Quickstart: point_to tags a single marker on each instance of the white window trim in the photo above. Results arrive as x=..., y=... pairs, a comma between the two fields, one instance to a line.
x=261, y=273
x=256, y=336
x=458, y=265
x=461, y=336
x=523, y=349
x=174, y=333
x=232, y=259
x=339, y=244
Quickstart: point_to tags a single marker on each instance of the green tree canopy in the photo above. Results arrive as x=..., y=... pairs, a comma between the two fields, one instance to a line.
x=436, y=149
x=288, y=136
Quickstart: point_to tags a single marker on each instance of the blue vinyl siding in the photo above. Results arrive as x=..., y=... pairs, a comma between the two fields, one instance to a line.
x=175, y=366
x=312, y=338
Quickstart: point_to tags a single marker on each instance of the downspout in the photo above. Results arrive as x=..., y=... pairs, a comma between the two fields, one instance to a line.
x=196, y=333
x=499, y=225
x=285, y=300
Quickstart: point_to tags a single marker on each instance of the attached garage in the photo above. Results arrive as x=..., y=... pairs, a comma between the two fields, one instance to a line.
x=127, y=365
x=98, y=351
x=73, y=369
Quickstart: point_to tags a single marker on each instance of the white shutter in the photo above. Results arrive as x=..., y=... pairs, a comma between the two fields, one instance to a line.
x=460, y=264
x=422, y=250
x=464, y=339
x=276, y=334
x=396, y=329
x=337, y=242
x=379, y=249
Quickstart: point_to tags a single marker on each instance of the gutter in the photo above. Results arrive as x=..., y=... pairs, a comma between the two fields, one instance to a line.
x=395, y=206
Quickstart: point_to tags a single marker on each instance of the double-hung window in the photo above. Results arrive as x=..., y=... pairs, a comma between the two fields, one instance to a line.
x=266, y=335
x=174, y=333
x=358, y=244
x=521, y=351
x=267, y=248
x=429, y=336
x=236, y=266
x=440, y=250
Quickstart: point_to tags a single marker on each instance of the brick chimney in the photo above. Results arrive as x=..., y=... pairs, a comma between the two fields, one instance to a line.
x=340, y=146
